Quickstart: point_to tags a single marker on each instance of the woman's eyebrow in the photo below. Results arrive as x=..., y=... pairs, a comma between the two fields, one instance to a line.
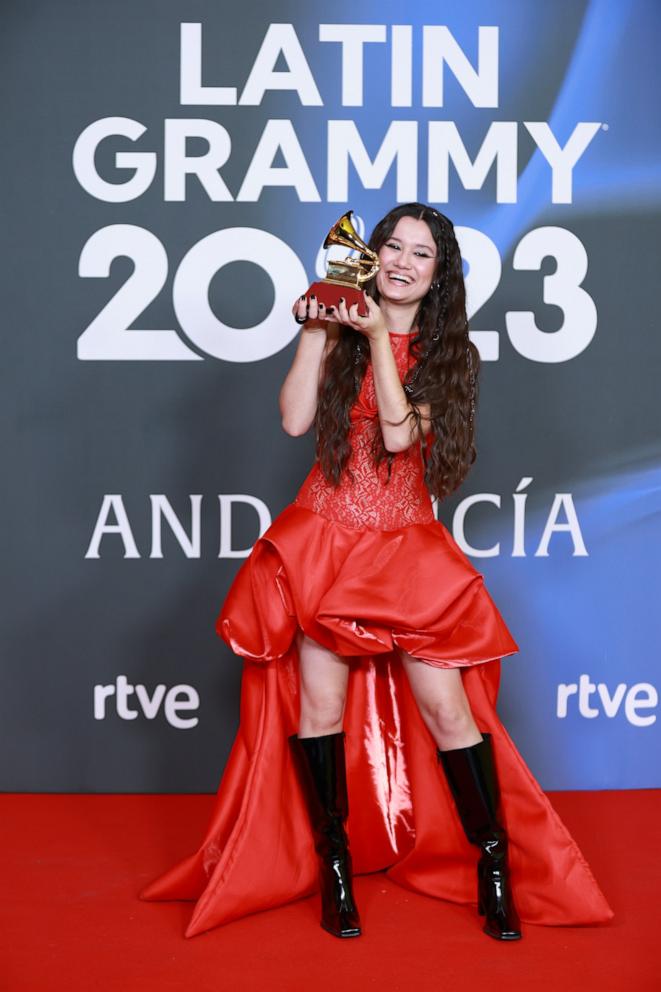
x=419, y=245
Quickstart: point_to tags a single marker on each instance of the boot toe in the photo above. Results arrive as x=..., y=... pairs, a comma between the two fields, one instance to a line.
x=344, y=927
x=503, y=934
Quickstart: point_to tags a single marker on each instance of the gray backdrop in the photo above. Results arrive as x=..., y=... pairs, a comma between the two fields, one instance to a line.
x=87, y=437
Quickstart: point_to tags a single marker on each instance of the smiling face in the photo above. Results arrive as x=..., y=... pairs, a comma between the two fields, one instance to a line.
x=408, y=262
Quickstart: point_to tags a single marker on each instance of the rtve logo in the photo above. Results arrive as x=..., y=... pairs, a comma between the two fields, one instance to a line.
x=179, y=697
x=642, y=695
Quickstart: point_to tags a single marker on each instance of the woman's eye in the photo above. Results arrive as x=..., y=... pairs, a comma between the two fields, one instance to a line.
x=423, y=254
x=389, y=244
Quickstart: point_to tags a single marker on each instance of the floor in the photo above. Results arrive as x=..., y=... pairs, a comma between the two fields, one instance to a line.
x=71, y=918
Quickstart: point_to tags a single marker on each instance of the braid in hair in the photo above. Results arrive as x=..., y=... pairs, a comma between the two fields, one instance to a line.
x=445, y=296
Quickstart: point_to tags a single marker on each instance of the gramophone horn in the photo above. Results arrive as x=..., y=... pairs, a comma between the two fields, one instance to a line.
x=344, y=233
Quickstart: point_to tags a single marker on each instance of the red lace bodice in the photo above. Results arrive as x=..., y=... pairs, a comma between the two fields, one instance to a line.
x=368, y=502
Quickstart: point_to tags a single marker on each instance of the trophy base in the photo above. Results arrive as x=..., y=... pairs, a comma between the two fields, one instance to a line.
x=329, y=292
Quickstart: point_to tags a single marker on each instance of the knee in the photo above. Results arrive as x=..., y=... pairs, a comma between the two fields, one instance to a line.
x=322, y=714
x=449, y=716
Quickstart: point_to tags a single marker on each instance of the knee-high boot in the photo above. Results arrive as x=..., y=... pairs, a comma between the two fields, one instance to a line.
x=472, y=778
x=321, y=768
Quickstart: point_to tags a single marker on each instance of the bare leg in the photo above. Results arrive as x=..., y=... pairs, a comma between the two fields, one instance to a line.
x=468, y=764
x=324, y=678
x=443, y=704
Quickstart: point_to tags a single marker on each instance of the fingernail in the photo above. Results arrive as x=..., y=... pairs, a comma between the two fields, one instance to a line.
x=302, y=297
x=313, y=297
x=342, y=300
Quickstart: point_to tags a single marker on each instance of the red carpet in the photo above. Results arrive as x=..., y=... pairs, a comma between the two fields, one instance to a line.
x=71, y=919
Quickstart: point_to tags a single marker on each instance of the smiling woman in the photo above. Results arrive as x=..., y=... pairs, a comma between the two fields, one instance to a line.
x=407, y=261
x=418, y=291
x=359, y=617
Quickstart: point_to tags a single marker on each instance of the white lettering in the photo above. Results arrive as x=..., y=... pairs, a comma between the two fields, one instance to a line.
x=400, y=144
x=401, y=66
x=632, y=703
x=458, y=523
x=161, y=507
x=150, y=704
x=178, y=698
x=142, y=163
x=352, y=38
x=642, y=695
x=562, y=160
x=101, y=693
x=585, y=690
x=191, y=90
x=343, y=140
x=178, y=165
x=564, y=692
x=519, y=499
x=124, y=690
x=499, y=145
x=610, y=703
x=226, y=504
x=440, y=47
x=279, y=136
x=565, y=501
x=190, y=293
x=190, y=701
x=280, y=40
x=122, y=527
x=562, y=288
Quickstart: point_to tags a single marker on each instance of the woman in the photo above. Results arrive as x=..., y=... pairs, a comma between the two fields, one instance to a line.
x=360, y=620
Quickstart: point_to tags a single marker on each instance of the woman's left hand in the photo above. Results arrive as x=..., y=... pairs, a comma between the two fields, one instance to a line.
x=373, y=326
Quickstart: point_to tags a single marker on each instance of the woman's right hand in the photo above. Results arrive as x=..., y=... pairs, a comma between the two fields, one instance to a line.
x=309, y=309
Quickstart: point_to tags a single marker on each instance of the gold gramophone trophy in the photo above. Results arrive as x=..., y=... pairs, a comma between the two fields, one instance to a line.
x=344, y=278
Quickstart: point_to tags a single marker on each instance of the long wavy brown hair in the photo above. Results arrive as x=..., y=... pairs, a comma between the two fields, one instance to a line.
x=446, y=362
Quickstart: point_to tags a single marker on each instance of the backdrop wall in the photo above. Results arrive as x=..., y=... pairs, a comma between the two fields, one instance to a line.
x=170, y=170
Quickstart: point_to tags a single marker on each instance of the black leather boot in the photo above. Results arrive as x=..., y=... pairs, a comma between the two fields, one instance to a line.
x=471, y=775
x=321, y=768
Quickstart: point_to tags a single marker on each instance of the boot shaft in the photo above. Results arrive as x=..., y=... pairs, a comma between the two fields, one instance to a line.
x=471, y=775
x=321, y=767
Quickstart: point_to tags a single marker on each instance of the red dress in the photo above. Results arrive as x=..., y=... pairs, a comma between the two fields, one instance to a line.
x=365, y=569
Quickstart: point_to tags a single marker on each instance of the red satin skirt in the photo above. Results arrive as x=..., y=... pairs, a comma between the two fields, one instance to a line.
x=364, y=594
